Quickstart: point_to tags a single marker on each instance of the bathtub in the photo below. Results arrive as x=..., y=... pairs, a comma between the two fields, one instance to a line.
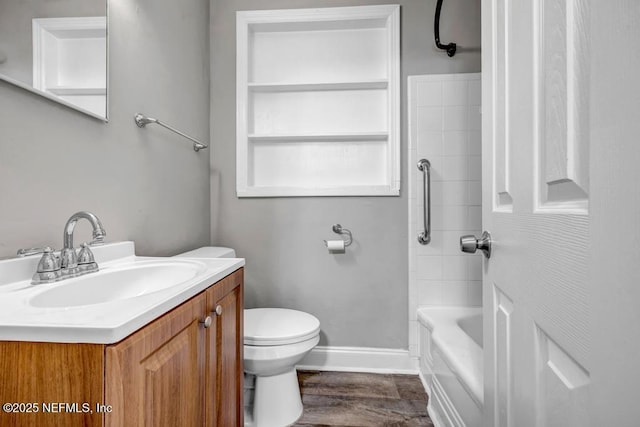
x=451, y=364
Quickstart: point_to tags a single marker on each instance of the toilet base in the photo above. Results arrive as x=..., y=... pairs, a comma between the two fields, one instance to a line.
x=276, y=401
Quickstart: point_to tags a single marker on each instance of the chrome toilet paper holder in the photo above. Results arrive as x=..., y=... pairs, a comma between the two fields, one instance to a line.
x=338, y=229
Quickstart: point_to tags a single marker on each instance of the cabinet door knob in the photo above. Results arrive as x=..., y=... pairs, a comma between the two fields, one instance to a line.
x=218, y=310
x=207, y=322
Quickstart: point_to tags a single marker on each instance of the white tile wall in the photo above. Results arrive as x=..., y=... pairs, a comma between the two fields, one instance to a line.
x=444, y=127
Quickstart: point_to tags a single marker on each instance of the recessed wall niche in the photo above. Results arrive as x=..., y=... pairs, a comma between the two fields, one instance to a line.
x=318, y=102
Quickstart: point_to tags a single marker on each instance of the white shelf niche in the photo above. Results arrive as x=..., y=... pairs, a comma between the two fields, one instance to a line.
x=70, y=60
x=299, y=168
x=327, y=111
x=318, y=102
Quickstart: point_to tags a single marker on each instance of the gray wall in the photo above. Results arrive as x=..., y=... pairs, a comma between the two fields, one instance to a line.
x=360, y=297
x=145, y=185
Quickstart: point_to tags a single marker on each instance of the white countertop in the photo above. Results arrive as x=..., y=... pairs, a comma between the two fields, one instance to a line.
x=102, y=323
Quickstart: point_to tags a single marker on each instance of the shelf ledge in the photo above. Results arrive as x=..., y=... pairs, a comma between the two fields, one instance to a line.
x=334, y=137
x=314, y=191
x=61, y=91
x=298, y=87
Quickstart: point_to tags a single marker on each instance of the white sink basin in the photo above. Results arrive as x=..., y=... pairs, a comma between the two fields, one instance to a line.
x=103, y=307
x=117, y=284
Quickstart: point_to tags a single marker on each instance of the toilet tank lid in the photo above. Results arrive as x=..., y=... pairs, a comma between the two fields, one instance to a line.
x=209, y=252
x=278, y=326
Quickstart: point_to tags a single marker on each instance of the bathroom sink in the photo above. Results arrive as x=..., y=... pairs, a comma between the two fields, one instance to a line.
x=115, y=284
x=102, y=307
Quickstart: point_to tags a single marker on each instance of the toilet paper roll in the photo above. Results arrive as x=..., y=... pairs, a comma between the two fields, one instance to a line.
x=335, y=245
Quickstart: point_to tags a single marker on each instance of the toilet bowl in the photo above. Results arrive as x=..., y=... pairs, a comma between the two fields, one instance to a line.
x=275, y=340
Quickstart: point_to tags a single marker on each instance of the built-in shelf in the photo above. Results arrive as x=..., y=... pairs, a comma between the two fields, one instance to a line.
x=292, y=87
x=78, y=91
x=340, y=190
x=343, y=137
x=70, y=61
x=318, y=102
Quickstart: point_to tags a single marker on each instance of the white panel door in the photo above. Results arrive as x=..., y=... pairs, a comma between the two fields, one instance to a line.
x=545, y=197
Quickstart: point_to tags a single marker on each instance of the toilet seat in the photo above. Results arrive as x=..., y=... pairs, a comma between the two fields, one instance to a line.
x=278, y=326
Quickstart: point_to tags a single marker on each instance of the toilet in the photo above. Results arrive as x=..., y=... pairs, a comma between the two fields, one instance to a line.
x=275, y=340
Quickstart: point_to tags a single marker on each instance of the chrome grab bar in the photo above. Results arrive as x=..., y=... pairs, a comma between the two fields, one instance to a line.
x=425, y=167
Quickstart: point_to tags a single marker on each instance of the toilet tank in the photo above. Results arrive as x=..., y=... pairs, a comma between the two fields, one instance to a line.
x=209, y=252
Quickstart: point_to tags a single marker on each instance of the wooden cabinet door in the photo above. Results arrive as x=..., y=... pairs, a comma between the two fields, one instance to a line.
x=224, y=371
x=154, y=377
x=53, y=382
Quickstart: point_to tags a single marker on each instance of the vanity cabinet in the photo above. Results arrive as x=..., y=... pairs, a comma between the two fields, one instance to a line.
x=179, y=370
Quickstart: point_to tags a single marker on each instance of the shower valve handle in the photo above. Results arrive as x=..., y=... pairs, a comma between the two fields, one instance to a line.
x=470, y=244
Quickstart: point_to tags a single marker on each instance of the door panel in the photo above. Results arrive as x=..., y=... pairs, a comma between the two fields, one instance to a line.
x=535, y=204
x=154, y=376
x=225, y=343
x=615, y=212
x=503, y=368
x=228, y=387
x=561, y=55
x=561, y=97
x=168, y=372
x=562, y=387
x=500, y=91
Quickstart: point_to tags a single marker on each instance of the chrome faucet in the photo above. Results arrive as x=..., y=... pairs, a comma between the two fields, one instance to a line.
x=52, y=268
x=68, y=256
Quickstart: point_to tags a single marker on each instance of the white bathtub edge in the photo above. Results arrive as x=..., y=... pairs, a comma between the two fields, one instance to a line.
x=459, y=358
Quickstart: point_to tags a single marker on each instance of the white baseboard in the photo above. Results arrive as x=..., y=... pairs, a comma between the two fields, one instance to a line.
x=360, y=359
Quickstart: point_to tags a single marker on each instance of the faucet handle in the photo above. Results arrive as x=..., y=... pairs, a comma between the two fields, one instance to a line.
x=30, y=251
x=85, y=256
x=86, y=261
x=48, y=270
x=48, y=262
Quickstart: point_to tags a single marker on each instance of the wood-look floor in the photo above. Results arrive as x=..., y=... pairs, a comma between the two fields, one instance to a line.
x=362, y=400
